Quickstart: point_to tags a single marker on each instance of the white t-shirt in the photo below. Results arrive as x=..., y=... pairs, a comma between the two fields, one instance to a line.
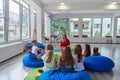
x=35, y=50
x=78, y=66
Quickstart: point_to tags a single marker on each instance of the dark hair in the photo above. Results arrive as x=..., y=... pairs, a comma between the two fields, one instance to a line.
x=95, y=51
x=28, y=47
x=49, y=58
x=78, y=52
x=88, y=50
x=64, y=35
x=67, y=57
x=49, y=47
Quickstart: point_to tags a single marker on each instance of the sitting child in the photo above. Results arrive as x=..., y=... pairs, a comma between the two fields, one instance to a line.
x=78, y=59
x=29, y=51
x=37, y=51
x=95, y=51
x=87, y=50
x=50, y=60
x=66, y=61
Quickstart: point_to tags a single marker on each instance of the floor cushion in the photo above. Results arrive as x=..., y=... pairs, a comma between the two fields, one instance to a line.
x=98, y=63
x=27, y=62
x=58, y=75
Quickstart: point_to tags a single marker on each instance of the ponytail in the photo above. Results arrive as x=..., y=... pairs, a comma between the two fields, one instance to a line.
x=49, y=54
x=78, y=52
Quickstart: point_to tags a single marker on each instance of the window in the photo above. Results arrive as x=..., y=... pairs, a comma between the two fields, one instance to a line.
x=118, y=26
x=35, y=26
x=35, y=19
x=96, y=27
x=24, y=4
x=17, y=0
x=59, y=26
x=87, y=25
x=106, y=27
x=25, y=23
x=14, y=21
x=1, y=22
x=73, y=27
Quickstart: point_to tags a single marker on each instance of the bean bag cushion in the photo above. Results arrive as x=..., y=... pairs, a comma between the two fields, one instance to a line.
x=98, y=63
x=40, y=45
x=58, y=75
x=30, y=62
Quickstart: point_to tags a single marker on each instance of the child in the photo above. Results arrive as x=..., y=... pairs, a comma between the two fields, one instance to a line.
x=87, y=50
x=37, y=51
x=66, y=61
x=78, y=59
x=29, y=51
x=34, y=47
x=95, y=51
x=50, y=60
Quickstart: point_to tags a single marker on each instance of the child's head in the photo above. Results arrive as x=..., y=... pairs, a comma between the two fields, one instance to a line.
x=87, y=49
x=67, y=56
x=95, y=50
x=49, y=58
x=78, y=49
x=34, y=42
x=78, y=52
x=49, y=47
x=29, y=48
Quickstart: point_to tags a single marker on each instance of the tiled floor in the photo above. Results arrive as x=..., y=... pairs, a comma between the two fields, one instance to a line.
x=13, y=69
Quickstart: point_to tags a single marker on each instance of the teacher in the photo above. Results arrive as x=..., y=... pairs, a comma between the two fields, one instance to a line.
x=64, y=42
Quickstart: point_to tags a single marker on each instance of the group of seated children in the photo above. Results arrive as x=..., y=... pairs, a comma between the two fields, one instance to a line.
x=65, y=63
x=87, y=51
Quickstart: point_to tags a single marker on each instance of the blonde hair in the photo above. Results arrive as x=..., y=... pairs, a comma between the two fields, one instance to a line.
x=49, y=54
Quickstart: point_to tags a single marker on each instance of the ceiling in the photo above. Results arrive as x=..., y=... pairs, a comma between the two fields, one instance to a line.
x=80, y=6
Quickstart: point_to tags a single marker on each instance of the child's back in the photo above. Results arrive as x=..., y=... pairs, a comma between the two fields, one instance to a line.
x=49, y=64
x=78, y=58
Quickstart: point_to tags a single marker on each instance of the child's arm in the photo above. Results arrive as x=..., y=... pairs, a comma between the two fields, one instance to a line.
x=41, y=50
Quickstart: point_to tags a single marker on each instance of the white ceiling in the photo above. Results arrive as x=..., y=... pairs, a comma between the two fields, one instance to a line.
x=80, y=6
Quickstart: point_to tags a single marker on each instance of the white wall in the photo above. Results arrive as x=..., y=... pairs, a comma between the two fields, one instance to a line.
x=11, y=49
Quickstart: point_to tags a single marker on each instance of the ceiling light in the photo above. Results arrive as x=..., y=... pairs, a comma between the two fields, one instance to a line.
x=114, y=3
x=62, y=3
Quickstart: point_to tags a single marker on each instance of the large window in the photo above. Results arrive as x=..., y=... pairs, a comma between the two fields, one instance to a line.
x=14, y=21
x=1, y=22
x=106, y=27
x=35, y=25
x=25, y=23
x=87, y=25
x=118, y=26
x=74, y=27
x=96, y=27
x=59, y=26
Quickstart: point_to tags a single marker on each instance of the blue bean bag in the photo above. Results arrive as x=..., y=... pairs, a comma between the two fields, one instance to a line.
x=31, y=62
x=98, y=63
x=40, y=45
x=58, y=75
